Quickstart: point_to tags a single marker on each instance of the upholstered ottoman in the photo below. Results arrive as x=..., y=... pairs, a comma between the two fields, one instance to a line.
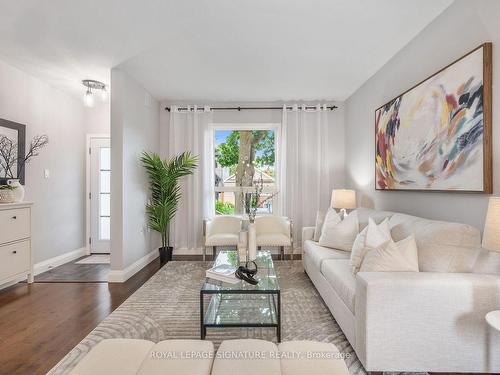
x=250, y=357
x=196, y=357
x=141, y=357
x=247, y=357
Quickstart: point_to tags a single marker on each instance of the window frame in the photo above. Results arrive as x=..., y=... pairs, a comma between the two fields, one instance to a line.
x=276, y=127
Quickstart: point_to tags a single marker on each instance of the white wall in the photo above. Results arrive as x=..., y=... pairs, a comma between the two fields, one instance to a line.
x=98, y=118
x=462, y=27
x=58, y=213
x=135, y=119
x=335, y=119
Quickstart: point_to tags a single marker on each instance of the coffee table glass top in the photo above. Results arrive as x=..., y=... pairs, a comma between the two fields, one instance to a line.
x=266, y=274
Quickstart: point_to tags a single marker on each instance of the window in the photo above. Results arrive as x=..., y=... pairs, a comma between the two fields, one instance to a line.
x=104, y=193
x=245, y=159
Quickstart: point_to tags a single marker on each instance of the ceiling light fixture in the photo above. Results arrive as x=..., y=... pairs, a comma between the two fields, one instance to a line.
x=90, y=84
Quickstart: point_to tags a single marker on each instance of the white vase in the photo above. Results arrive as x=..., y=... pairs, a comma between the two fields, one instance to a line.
x=242, y=246
x=252, y=242
x=18, y=191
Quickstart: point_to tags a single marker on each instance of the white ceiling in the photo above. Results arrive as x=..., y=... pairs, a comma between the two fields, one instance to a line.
x=213, y=50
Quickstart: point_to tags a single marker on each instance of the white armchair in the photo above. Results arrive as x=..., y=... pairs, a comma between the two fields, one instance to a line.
x=223, y=230
x=274, y=231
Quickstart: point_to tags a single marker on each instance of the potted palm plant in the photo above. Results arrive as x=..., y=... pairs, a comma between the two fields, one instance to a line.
x=166, y=193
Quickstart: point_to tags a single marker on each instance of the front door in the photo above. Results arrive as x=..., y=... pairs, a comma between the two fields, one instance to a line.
x=100, y=195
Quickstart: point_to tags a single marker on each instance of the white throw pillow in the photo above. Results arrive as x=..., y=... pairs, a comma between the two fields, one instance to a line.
x=320, y=218
x=392, y=256
x=379, y=235
x=340, y=234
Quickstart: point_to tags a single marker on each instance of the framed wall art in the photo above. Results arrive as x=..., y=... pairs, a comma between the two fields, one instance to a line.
x=12, y=149
x=436, y=136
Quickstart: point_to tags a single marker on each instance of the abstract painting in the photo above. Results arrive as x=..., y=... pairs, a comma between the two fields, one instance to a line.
x=437, y=135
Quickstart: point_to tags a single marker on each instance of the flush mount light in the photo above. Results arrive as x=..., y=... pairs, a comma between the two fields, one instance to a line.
x=90, y=84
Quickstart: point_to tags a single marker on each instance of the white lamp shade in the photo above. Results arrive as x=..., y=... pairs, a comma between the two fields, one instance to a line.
x=491, y=236
x=342, y=198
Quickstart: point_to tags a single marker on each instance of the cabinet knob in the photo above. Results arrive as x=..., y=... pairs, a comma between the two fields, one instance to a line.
x=14, y=251
x=14, y=217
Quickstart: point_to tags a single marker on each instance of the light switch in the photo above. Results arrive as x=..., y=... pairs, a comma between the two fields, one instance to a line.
x=46, y=173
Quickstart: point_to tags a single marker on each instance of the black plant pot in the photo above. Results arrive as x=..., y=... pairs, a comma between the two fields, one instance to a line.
x=165, y=254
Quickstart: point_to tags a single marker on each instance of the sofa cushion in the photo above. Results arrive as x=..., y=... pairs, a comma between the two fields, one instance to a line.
x=340, y=235
x=246, y=357
x=442, y=246
x=318, y=226
x=365, y=213
x=393, y=256
x=338, y=274
x=379, y=233
x=487, y=262
x=114, y=357
x=319, y=253
x=179, y=357
x=309, y=357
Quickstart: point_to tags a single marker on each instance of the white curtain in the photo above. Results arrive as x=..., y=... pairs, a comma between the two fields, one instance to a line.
x=190, y=131
x=305, y=178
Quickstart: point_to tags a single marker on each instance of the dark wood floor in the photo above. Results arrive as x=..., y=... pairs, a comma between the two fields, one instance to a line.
x=71, y=272
x=40, y=323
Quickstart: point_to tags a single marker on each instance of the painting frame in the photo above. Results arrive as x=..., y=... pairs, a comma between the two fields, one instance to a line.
x=21, y=146
x=487, y=125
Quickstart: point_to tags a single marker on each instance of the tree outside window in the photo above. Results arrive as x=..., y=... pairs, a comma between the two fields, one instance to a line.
x=242, y=159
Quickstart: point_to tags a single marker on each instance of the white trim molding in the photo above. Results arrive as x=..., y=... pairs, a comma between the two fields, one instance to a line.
x=120, y=276
x=59, y=260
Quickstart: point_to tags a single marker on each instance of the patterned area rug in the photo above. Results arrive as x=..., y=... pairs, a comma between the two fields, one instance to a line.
x=167, y=307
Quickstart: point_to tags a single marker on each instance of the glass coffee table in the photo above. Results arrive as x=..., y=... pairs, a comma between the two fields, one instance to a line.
x=242, y=304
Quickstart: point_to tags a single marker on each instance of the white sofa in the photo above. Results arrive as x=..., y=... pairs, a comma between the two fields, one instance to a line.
x=433, y=320
x=196, y=357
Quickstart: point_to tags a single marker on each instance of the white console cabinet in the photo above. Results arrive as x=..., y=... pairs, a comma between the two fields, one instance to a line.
x=16, y=258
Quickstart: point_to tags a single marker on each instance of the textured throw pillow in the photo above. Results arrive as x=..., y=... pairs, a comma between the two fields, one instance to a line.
x=320, y=218
x=392, y=256
x=331, y=218
x=379, y=235
x=340, y=234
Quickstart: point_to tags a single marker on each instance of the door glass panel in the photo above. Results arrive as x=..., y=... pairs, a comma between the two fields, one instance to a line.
x=104, y=228
x=104, y=192
x=104, y=204
x=105, y=179
x=105, y=158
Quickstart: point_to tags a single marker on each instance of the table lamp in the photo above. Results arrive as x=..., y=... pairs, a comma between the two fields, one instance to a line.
x=491, y=235
x=344, y=200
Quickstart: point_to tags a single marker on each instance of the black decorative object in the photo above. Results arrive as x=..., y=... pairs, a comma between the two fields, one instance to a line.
x=247, y=274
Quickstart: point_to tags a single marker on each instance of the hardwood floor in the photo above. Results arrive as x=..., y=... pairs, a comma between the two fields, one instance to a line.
x=71, y=272
x=40, y=323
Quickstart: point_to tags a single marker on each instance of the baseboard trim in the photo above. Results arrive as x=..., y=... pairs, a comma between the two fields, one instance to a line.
x=120, y=276
x=59, y=260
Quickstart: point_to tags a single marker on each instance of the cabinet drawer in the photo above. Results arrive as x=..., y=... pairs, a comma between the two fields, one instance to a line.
x=14, y=224
x=14, y=259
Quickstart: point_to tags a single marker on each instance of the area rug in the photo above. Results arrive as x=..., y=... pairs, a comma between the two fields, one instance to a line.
x=96, y=259
x=167, y=307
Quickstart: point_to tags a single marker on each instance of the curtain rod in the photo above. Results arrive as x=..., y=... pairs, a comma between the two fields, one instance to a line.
x=332, y=107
